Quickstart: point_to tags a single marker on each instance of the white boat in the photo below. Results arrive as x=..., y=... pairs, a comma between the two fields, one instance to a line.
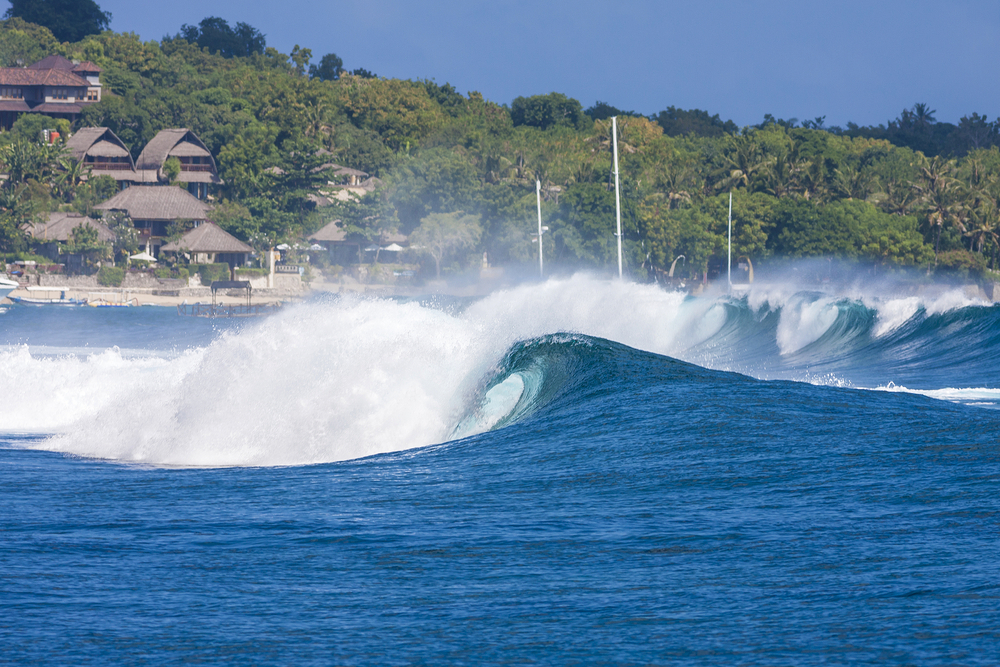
x=60, y=300
x=6, y=287
x=110, y=300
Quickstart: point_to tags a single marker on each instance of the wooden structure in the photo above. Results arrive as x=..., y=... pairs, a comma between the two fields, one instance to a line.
x=53, y=86
x=104, y=153
x=153, y=208
x=208, y=243
x=214, y=309
x=198, y=167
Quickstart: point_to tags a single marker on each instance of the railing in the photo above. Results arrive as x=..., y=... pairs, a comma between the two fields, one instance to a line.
x=228, y=310
x=287, y=268
x=109, y=166
x=196, y=167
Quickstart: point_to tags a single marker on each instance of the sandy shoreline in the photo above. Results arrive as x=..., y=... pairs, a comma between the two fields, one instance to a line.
x=190, y=295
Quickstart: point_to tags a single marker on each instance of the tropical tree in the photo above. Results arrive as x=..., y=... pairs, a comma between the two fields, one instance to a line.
x=440, y=235
x=69, y=20
x=744, y=162
x=940, y=199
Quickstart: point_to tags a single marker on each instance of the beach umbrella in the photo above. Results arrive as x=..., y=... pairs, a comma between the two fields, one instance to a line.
x=393, y=247
x=143, y=256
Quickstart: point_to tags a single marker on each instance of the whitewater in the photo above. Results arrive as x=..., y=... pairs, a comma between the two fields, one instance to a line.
x=346, y=377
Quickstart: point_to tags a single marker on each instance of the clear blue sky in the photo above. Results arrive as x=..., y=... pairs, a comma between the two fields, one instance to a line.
x=856, y=60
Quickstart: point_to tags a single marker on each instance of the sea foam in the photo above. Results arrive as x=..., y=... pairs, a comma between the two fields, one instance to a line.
x=350, y=377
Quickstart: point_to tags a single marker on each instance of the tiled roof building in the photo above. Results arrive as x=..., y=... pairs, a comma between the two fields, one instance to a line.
x=53, y=86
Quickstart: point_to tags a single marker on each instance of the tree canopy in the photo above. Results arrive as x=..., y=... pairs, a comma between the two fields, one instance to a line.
x=69, y=20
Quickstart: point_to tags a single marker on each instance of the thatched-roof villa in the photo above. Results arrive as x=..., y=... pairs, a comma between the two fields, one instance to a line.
x=58, y=228
x=208, y=243
x=152, y=209
x=102, y=151
x=198, y=168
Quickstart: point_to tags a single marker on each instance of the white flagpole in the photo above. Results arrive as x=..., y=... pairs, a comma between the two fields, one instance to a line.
x=538, y=198
x=618, y=205
x=729, y=270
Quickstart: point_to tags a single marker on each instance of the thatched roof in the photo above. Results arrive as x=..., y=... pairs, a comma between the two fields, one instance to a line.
x=207, y=237
x=157, y=202
x=188, y=149
x=97, y=141
x=164, y=144
x=331, y=233
x=60, y=226
x=180, y=142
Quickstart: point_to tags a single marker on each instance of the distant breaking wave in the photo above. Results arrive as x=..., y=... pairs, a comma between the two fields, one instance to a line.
x=346, y=377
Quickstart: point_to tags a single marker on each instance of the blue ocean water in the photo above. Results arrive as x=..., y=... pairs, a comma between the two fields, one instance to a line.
x=577, y=472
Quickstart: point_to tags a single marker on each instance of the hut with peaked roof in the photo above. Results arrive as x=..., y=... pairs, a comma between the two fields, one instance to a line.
x=53, y=86
x=58, y=228
x=153, y=208
x=198, y=167
x=208, y=244
x=100, y=149
x=342, y=251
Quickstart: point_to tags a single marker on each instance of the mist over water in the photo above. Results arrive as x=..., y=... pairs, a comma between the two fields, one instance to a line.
x=343, y=378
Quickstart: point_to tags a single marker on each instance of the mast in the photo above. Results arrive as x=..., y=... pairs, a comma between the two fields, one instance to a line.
x=618, y=204
x=538, y=199
x=729, y=266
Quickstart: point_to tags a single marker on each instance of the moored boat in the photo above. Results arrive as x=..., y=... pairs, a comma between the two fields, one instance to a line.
x=61, y=300
x=6, y=287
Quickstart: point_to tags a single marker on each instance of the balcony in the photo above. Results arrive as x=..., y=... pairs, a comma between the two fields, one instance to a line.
x=109, y=166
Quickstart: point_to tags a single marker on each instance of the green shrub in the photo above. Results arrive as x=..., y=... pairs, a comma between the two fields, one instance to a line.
x=111, y=276
x=183, y=273
x=248, y=272
x=211, y=272
x=163, y=273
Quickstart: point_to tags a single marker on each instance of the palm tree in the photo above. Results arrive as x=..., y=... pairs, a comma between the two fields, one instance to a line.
x=781, y=175
x=745, y=162
x=73, y=173
x=853, y=183
x=897, y=196
x=939, y=197
x=812, y=179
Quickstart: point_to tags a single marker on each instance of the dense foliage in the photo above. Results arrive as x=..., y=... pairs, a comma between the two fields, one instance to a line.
x=69, y=20
x=912, y=192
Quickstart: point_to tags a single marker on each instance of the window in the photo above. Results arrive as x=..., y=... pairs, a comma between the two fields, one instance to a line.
x=11, y=93
x=92, y=95
x=58, y=94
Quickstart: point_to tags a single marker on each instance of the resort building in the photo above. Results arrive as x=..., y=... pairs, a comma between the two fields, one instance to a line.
x=154, y=208
x=198, y=168
x=53, y=86
x=208, y=244
x=344, y=250
x=100, y=149
x=58, y=228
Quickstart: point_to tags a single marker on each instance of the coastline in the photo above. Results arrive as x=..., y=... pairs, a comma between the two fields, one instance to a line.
x=146, y=296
